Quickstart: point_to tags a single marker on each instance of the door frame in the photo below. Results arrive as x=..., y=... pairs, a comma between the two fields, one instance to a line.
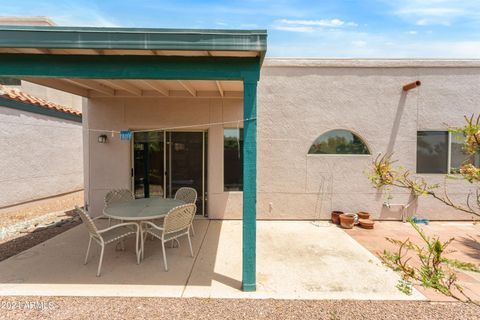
x=165, y=169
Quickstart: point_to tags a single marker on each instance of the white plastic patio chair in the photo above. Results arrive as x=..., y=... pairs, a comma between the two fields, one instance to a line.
x=108, y=235
x=188, y=195
x=117, y=196
x=176, y=224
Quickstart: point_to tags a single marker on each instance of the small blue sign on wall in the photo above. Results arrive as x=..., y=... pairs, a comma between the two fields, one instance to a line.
x=125, y=135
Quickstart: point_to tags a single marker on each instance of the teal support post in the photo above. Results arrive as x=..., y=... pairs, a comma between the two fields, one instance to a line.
x=249, y=185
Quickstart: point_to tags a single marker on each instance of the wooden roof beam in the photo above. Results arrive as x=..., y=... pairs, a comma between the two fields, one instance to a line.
x=93, y=85
x=156, y=86
x=220, y=89
x=122, y=85
x=187, y=86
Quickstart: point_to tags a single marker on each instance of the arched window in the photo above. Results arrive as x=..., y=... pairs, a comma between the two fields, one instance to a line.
x=339, y=142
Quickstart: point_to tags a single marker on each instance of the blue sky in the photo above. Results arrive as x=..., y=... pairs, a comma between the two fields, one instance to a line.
x=343, y=28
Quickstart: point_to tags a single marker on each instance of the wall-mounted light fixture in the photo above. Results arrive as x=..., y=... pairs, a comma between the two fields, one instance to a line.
x=102, y=138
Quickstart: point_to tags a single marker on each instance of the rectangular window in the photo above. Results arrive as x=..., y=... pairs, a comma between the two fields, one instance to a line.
x=441, y=152
x=432, y=151
x=232, y=159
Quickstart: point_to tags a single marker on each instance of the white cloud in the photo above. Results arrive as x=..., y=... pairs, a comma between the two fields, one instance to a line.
x=319, y=23
x=412, y=32
x=89, y=19
x=348, y=43
x=359, y=43
x=436, y=12
x=310, y=25
x=295, y=28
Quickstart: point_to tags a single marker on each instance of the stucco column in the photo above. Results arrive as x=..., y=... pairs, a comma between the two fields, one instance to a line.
x=249, y=185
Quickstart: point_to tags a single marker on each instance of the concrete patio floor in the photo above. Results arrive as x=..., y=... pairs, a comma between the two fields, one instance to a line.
x=295, y=260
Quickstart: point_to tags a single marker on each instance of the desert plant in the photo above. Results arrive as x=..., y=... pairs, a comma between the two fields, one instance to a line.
x=434, y=270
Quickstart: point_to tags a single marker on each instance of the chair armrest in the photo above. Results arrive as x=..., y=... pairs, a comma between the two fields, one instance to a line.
x=151, y=224
x=119, y=225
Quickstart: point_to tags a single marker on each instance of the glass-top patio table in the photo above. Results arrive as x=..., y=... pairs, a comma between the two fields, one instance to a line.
x=141, y=209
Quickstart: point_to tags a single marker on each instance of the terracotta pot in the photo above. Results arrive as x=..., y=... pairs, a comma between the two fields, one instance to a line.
x=363, y=215
x=347, y=220
x=366, y=223
x=335, y=216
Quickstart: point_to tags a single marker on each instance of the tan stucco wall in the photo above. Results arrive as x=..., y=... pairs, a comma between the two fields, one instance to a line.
x=109, y=164
x=299, y=100
x=41, y=156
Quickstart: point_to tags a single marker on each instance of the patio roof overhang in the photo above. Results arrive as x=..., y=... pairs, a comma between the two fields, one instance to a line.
x=223, y=53
x=119, y=62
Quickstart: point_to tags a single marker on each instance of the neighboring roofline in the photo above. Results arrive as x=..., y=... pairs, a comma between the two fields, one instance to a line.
x=56, y=37
x=26, y=20
x=33, y=108
x=370, y=63
x=16, y=99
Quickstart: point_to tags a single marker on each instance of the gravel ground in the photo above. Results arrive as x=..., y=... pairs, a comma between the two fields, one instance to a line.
x=193, y=308
x=34, y=235
x=36, y=209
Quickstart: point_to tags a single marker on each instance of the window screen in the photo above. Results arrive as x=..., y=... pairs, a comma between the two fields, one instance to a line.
x=432, y=152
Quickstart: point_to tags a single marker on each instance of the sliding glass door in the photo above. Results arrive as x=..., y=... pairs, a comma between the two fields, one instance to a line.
x=167, y=161
x=148, y=164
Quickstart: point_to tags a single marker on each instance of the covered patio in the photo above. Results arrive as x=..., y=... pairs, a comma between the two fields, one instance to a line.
x=297, y=260
x=155, y=80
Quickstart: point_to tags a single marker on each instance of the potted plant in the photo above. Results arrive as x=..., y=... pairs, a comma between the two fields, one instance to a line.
x=336, y=216
x=347, y=220
x=363, y=215
x=366, y=223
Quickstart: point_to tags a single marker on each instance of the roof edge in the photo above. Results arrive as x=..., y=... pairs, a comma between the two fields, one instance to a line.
x=133, y=30
x=56, y=37
x=33, y=108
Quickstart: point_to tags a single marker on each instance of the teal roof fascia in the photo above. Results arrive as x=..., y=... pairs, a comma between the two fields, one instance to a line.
x=57, y=37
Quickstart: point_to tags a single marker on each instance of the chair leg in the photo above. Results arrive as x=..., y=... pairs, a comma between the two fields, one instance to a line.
x=142, y=244
x=190, y=244
x=192, y=229
x=88, y=250
x=101, y=260
x=137, y=250
x=164, y=256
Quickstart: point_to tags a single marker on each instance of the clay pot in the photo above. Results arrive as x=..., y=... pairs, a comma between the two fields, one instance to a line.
x=347, y=220
x=335, y=216
x=366, y=223
x=363, y=215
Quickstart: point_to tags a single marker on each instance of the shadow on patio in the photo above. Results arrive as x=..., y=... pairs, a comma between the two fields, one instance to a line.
x=296, y=260
x=57, y=266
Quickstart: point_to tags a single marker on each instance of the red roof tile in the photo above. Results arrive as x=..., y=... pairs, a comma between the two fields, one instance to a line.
x=17, y=95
